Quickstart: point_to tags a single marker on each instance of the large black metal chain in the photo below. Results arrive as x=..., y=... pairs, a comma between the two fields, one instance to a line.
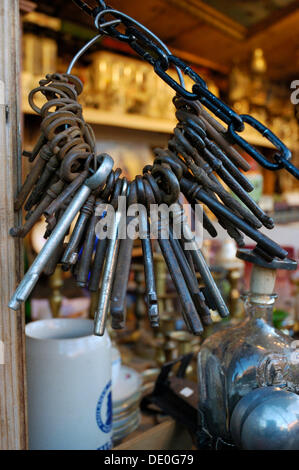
x=162, y=61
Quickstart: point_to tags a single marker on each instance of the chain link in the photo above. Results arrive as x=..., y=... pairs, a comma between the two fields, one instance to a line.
x=151, y=48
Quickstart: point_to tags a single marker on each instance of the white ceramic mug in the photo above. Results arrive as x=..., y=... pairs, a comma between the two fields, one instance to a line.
x=69, y=385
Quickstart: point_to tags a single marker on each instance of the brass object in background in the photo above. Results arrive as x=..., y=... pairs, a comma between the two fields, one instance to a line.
x=167, y=322
x=186, y=344
x=258, y=62
x=183, y=340
x=160, y=357
x=226, y=258
x=252, y=92
x=171, y=352
x=55, y=300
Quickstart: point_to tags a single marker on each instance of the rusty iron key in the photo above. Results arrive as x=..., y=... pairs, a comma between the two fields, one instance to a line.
x=97, y=266
x=194, y=192
x=216, y=164
x=86, y=255
x=198, y=259
x=110, y=192
x=200, y=127
x=31, y=277
x=122, y=270
x=191, y=281
x=101, y=313
x=32, y=177
x=189, y=311
x=70, y=255
x=144, y=233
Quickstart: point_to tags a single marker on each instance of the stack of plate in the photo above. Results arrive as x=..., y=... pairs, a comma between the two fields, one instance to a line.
x=126, y=393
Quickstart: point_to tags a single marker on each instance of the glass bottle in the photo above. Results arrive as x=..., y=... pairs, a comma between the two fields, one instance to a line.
x=238, y=359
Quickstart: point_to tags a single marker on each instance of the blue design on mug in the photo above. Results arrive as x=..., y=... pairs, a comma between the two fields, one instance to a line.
x=104, y=409
x=106, y=446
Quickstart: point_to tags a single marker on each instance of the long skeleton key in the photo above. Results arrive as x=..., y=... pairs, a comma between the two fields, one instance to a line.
x=189, y=311
x=191, y=281
x=33, y=175
x=43, y=182
x=234, y=185
x=70, y=255
x=66, y=194
x=144, y=230
x=31, y=277
x=165, y=156
x=98, y=264
x=207, y=178
x=111, y=191
x=52, y=192
x=195, y=192
x=205, y=309
x=214, y=129
x=85, y=260
x=200, y=126
x=199, y=261
x=108, y=273
x=122, y=271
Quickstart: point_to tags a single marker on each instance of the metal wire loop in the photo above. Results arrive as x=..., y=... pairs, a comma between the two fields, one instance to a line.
x=89, y=44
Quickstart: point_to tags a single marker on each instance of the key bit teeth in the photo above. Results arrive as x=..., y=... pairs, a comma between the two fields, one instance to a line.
x=153, y=313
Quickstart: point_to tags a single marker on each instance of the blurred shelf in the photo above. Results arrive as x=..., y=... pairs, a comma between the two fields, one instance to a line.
x=144, y=123
x=128, y=121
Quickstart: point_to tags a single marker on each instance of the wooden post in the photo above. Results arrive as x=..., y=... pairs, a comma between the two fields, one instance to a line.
x=12, y=372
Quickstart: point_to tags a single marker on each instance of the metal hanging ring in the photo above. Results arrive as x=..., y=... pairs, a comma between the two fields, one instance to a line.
x=88, y=45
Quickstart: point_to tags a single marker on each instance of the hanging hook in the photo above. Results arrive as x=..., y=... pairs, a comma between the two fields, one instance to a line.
x=89, y=44
x=141, y=26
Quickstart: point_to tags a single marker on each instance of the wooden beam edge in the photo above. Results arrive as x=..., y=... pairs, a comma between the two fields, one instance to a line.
x=212, y=17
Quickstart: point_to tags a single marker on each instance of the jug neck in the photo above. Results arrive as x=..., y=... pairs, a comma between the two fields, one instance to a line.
x=260, y=307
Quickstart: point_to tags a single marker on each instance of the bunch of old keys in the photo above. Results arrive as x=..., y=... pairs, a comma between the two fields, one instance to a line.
x=69, y=182
x=67, y=179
